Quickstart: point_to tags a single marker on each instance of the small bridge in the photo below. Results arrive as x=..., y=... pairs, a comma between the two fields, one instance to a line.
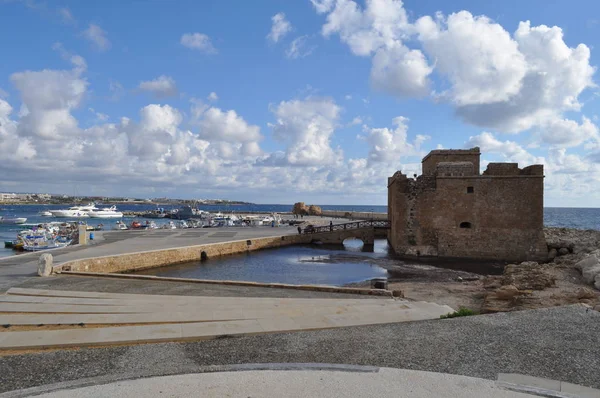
x=366, y=231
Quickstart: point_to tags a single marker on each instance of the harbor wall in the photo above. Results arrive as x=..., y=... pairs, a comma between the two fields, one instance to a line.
x=158, y=258
x=354, y=215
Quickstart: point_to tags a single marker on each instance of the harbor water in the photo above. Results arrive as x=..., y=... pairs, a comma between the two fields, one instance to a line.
x=306, y=264
x=350, y=264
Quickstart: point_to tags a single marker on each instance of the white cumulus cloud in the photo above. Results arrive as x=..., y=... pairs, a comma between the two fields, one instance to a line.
x=161, y=87
x=389, y=145
x=307, y=127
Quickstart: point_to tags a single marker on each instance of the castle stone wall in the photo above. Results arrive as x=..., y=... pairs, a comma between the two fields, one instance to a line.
x=497, y=215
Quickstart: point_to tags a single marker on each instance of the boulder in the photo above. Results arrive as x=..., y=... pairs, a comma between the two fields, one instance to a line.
x=45, y=263
x=597, y=308
x=589, y=267
x=314, y=210
x=563, y=251
x=597, y=284
x=508, y=292
x=587, y=262
x=300, y=208
x=589, y=273
x=527, y=276
x=576, y=240
x=585, y=293
x=552, y=254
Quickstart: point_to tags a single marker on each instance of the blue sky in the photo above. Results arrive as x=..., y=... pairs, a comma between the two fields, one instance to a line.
x=316, y=100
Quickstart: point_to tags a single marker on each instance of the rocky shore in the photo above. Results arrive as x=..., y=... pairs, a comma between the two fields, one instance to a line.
x=571, y=276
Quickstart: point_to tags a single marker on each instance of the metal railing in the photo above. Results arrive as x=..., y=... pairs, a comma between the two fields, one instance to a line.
x=383, y=224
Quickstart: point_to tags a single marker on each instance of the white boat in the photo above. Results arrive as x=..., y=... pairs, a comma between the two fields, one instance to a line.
x=45, y=213
x=75, y=211
x=13, y=220
x=37, y=243
x=110, y=212
x=121, y=225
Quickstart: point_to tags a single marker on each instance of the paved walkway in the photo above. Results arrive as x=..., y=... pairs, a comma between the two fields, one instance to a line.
x=379, y=382
x=17, y=269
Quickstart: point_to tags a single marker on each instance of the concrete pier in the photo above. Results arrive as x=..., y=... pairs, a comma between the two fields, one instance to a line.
x=17, y=269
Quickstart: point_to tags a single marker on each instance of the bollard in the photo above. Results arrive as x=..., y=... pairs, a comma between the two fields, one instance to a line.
x=379, y=283
x=45, y=264
x=83, y=236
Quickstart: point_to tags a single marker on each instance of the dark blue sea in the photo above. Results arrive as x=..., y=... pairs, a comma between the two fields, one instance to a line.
x=581, y=218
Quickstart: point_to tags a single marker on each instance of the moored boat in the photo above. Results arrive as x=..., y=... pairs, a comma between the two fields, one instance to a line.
x=12, y=220
x=110, y=212
x=74, y=211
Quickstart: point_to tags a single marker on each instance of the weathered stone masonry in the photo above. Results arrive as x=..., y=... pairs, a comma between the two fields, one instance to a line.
x=452, y=210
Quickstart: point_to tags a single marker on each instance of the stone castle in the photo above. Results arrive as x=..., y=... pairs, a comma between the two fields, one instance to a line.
x=452, y=210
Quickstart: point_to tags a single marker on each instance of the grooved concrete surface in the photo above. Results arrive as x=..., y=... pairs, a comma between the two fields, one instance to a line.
x=140, y=318
x=396, y=383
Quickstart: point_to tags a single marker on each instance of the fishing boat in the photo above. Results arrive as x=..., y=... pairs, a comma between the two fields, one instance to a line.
x=12, y=220
x=136, y=225
x=75, y=211
x=159, y=212
x=121, y=225
x=45, y=213
x=42, y=242
x=110, y=212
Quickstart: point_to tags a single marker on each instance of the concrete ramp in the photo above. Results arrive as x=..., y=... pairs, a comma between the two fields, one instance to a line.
x=40, y=319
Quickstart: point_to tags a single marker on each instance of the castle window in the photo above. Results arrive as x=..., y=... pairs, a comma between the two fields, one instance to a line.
x=465, y=224
x=470, y=190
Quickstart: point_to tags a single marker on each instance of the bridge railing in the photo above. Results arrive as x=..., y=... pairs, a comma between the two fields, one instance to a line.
x=384, y=224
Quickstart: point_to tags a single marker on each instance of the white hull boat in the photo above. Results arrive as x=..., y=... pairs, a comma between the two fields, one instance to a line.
x=45, y=213
x=110, y=212
x=75, y=211
x=13, y=220
x=43, y=244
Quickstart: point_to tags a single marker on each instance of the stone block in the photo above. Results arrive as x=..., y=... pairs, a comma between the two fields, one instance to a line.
x=45, y=263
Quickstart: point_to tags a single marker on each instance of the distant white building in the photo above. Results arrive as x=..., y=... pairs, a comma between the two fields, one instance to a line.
x=6, y=197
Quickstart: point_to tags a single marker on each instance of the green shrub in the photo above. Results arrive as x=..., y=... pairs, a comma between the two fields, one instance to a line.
x=462, y=311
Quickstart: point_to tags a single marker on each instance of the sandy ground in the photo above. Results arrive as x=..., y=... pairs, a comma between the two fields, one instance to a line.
x=455, y=294
x=569, y=288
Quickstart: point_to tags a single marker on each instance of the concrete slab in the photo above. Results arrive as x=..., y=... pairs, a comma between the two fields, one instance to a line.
x=524, y=380
x=385, y=382
x=579, y=391
x=154, y=297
